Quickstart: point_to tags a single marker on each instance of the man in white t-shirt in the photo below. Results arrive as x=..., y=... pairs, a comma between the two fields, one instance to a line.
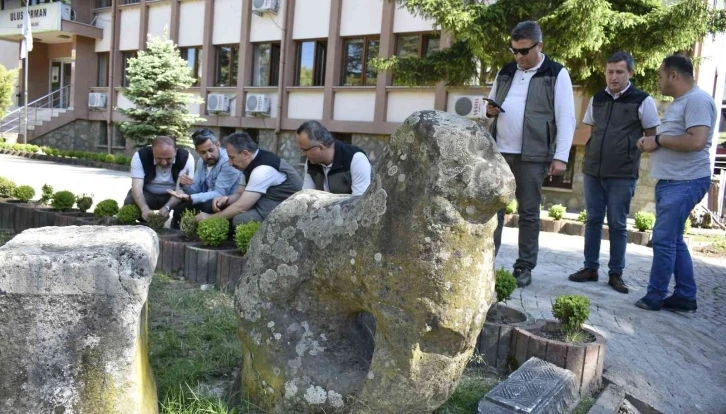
x=155, y=170
x=332, y=165
x=269, y=180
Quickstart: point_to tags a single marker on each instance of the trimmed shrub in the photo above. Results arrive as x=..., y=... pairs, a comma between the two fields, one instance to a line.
x=63, y=201
x=213, y=231
x=155, y=221
x=188, y=224
x=24, y=193
x=7, y=187
x=129, y=214
x=106, y=208
x=243, y=234
x=511, y=207
x=84, y=202
x=644, y=221
x=572, y=311
x=110, y=158
x=46, y=194
x=557, y=211
x=582, y=217
x=504, y=284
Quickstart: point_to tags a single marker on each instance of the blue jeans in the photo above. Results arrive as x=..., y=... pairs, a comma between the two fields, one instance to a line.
x=674, y=200
x=609, y=196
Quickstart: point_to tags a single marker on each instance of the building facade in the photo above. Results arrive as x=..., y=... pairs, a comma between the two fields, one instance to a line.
x=262, y=66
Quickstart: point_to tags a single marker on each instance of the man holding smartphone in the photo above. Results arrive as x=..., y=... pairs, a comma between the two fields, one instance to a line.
x=534, y=134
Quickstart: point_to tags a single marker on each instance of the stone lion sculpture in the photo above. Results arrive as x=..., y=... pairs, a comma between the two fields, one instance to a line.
x=374, y=303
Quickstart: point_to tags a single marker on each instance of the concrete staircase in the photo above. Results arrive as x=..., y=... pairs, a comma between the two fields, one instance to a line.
x=40, y=121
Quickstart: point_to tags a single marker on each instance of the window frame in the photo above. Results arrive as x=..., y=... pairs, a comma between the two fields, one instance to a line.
x=318, y=71
x=564, y=181
x=99, y=56
x=232, y=69
x=198, y=62
x=364, y=61
x=125, y=56
x=423, y=38
x=273, y=71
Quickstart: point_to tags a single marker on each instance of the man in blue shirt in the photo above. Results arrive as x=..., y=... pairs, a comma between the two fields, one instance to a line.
x=214, y=177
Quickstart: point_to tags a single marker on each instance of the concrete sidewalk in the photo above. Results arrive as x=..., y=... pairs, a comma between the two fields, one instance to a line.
x=672, y=362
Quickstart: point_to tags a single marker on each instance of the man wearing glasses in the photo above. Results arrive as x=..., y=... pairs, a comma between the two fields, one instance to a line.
x=533, y=132
x=332, y=165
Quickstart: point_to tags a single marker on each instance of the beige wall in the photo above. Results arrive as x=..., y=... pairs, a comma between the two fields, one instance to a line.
x=227, y=22
x=130, y=21
x=191, y=16
x=307, y=12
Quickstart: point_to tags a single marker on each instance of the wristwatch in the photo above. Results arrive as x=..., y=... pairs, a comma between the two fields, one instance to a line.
x=657, y=140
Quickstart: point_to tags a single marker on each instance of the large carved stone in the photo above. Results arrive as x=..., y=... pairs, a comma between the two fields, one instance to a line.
x=73, y=321
x=374, y=303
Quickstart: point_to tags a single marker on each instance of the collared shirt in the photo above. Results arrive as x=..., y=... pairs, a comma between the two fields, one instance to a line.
x=360, y=174
x=510, y=124
x=647, y=111
x=218, y=180
x=163, y=180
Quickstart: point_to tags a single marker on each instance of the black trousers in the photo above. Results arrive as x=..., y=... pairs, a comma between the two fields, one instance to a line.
x=205, y=207
x=154, y=201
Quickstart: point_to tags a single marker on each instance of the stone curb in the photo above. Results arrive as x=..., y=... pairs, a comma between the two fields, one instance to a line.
x=609, y=400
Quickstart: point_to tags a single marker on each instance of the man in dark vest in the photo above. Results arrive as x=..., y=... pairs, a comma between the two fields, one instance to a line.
x=269, y=180
x=533, y=132
x=332, y=165
x=618, y=116
x=154, y=170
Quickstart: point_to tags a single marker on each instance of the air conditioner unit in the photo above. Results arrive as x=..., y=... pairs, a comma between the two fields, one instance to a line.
x=470, y=106
x=217, y=102
x=257, y=104
x=96, y=100
x=260, y=7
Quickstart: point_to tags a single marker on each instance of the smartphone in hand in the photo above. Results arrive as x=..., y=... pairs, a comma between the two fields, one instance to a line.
x=493, y=103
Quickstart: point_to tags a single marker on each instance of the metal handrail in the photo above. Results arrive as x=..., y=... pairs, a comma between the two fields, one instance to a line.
x=13, y=122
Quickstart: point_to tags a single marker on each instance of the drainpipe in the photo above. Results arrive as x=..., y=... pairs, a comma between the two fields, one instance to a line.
x=289, y=9
x=111, y=68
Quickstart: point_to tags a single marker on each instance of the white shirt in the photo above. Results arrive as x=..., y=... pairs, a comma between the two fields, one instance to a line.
x=510, y=124
x=264, y=177
x=360, y=175
x=647, y=111
x=163, y=180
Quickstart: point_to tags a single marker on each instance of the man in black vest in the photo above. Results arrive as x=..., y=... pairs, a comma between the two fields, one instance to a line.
x=618, y=116
x=332, y=165
x=269, y=180
x=533, y=132
x=154, y=170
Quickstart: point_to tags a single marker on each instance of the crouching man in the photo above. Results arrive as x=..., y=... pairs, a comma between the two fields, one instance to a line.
x=269, y=180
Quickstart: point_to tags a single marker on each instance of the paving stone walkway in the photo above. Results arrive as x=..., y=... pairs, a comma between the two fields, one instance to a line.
x=673, y=362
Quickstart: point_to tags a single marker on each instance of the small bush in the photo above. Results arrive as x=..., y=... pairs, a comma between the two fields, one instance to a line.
x=155, y=221
x=63, y=200
x=572, y=311
x=46, y=194
x=213, y=231
x=33, y=148
x=188, y=224
x=644, y=221
x=24, y=193
x=106, y=208
x=504, y=285
x=109, y=158
x=129, y=214
x=84, y=202
x=511, y=207
x=243, y=234
x=557, y=211
x=121, y=160
x=7, y=187
x=99, y=157
x=582, y=217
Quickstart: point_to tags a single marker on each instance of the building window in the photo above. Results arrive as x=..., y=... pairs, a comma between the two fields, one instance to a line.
x=253, y=133
x=193, y=56
x=266, y=69
x=564, y=180
x=102, y=77
x=103, y=3
x=357, y=54
x=343, y=136
x=125, y=56
x=226, y=66
x=225, y=132
x=131, y=1
x=118, y=140
x=417, y=46
x=310, y=63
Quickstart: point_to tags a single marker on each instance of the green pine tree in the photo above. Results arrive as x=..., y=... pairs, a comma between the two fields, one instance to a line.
x=158, y=81
x=7, y=88
x=581, y=34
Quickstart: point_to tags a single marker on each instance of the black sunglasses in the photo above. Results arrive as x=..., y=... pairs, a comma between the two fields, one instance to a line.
x=523, y=51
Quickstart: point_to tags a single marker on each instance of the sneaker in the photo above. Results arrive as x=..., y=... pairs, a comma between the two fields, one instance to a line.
x=523, y=276
x=675, y=303
x=617, y=283
x=584, y=275
x=649, y=303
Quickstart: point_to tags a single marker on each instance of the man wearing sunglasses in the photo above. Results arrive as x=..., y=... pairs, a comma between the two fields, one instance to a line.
x=533, y=132
x=332, y=165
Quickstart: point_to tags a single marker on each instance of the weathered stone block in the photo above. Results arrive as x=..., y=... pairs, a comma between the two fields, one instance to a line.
x=374, y=303
x=537, y=387
x=73, y=321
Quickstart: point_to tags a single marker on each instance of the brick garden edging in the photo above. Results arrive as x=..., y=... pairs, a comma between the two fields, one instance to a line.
x=65, y=160
x=584, y=360
x=494, y=341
